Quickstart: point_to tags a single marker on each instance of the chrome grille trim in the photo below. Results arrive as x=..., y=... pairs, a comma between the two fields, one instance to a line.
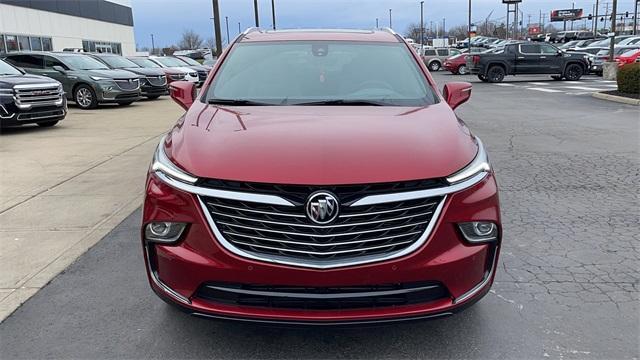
x=385, y=211
x=324, y=264
x=327, y=252
x=37, y=95
x=322, y=296
x=260, y=212
x=128, y=84
x=157, y=80
x=321, y=245
x=321, y=226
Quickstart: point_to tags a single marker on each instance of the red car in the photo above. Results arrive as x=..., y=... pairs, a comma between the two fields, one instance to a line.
x=306, y=184
x=457, y=64
x=628, y=57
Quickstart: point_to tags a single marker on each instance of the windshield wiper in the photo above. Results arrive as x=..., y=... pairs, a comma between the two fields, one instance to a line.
x=342, y=103
x=236, y=102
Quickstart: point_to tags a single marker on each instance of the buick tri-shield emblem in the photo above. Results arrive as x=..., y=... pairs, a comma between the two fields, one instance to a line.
x=322, y=208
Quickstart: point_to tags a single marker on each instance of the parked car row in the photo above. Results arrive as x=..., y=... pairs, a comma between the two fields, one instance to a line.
x=89, y=79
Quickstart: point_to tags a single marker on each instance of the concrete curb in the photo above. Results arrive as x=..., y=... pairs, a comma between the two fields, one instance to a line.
x=614, y=98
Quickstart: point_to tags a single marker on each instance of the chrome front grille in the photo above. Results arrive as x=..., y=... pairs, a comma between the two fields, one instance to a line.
x=157, y=80
x=285, y=234
x=128, y=84
x=27, y=96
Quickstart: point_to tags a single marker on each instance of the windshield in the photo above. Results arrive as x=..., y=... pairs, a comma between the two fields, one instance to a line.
x=6, y=69
x=308, y=72
x=82, y=62
x=119, y=62
x=144, y=62
x=169, y=61
x=188, y=60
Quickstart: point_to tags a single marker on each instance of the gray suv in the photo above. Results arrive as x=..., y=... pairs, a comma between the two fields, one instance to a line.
x=85, y=80
x=434, y=58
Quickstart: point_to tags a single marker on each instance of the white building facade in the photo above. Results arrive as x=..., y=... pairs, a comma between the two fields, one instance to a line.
x=56, y=25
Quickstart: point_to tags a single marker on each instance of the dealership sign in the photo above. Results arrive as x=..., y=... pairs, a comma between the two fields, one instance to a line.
x=564, y=15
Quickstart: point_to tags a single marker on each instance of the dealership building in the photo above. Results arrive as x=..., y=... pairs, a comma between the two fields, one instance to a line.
x=55, y=25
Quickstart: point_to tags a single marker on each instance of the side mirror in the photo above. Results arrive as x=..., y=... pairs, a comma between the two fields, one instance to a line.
x=456, y=93
x=183, y=93
x=59, y=69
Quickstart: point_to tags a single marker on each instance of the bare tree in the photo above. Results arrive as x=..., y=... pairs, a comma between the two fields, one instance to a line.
x=210, y=43
x=190, y=40
x=459, y=32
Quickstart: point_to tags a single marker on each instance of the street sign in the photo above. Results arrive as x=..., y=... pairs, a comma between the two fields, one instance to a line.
x=566, y=14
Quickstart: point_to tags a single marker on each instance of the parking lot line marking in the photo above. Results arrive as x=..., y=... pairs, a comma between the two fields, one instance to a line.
x=539, y=83
x=545, y=90
x=504, y=84
x=584, y=88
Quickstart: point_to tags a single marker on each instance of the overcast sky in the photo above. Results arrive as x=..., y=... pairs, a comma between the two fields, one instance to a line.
x=167, y=19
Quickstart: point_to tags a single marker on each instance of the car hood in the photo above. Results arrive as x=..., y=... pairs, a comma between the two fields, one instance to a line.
x=320, y=145
x=8, y=81
x=113, y=74
x=145, y=71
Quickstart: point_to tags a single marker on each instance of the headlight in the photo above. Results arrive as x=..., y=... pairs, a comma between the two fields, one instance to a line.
x=163, y=165
x=479, y=165
x=479, y=231
x=99, y=78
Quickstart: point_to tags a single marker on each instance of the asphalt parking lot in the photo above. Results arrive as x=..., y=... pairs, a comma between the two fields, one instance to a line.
x=567, y=286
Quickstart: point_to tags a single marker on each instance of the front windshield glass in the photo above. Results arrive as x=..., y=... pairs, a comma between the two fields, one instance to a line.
x=119, y=62
x=144, y=62
x=82, y=62
x=308, y=72
x=169, y=61
x=6, y=69
x=188, y=60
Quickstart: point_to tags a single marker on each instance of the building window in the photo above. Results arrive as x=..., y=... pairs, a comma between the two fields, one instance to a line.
x=36, y=43
x=46, y=44
x=103, y=47
x=23, y=41
x=2, y=47
x=12, y=43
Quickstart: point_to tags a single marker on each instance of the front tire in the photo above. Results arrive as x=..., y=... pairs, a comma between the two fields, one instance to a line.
x=573, y=72
x=482, y=78
x=47, y=123
x=434, y=66
x=495, y=74
x=85, y=97
x=462, y=70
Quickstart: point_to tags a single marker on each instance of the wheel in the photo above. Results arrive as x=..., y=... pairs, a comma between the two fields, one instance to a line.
x=153, y=97
x=47, y=123
x=556, y=77
x=462, y=70
x=125, y=103
x=482, y=78
x=573, y=72
x=495, y=74
x=85, y=97
x=434, y=66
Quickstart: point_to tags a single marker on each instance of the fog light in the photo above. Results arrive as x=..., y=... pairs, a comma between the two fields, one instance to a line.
x=479, y=231
x=164, y=232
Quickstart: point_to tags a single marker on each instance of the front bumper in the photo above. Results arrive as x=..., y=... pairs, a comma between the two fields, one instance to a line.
x=10, y=115
x=177, y=272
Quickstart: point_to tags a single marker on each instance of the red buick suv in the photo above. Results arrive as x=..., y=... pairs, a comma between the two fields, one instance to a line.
x=320, y=178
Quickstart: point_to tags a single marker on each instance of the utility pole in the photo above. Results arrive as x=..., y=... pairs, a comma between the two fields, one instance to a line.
x=273, y=13
x=226, y=20
x=421, y=25
x=469, y=27
x=444, y=26
x=613, y=30
x=595, y=30
x=606, y=11
x=153, y=46
x=216, y=27
x=239, y=29
x=255, y=12
x=377, y=24
x=390, y=20
x=573, y=6
x=635, y=18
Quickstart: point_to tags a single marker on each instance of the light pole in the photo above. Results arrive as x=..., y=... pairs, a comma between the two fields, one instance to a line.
x=216, y=27
x=273, y=13
x=153, y=46
x=390, y=22
x=635, y=18
x=226, y=20
x=377, y=26
x=239, y=29
x=469, y=27
x=614, y=12
x=421, y=24
x=595, y=28
x=255, y=12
